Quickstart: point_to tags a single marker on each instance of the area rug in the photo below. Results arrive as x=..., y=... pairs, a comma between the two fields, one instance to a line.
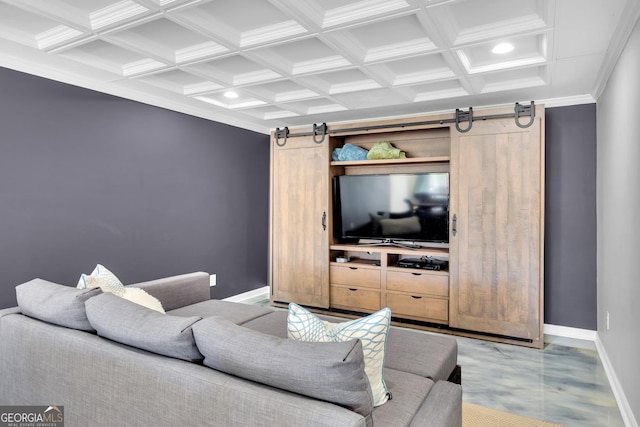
x=480, y=416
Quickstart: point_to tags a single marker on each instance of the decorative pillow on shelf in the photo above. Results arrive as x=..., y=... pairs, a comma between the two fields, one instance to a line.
x=103, y=278
x=349, y=152
x=384, y=150
x=371, y=330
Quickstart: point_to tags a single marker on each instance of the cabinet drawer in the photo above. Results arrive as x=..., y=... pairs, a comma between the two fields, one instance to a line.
x=432, y=309
x=422, y=283
x=357, y=276
x=355, y=298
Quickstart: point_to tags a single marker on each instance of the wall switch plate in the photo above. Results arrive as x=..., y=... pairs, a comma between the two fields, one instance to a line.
x=212, y=280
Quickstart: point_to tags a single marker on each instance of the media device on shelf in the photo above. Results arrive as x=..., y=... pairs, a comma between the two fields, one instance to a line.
x=425, y=263
x=392, y=209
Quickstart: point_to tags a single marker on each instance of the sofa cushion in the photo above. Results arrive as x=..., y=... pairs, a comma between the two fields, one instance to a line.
x=409, y=391
x=435, y=357
x=274, y=323
x=129, y=323
x=103, y=278
x=235, y=312
x=333, y=372
x=372, y=330
x=57, y=304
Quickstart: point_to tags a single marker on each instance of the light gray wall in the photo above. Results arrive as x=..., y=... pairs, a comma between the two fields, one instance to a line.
x=618, y=194
x=89, y=178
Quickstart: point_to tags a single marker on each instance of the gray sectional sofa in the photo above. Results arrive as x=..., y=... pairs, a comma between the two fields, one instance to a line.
x=142, y=376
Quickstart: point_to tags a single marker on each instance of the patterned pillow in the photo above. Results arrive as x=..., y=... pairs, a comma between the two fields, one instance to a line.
x=303, y=325
x=103, y=278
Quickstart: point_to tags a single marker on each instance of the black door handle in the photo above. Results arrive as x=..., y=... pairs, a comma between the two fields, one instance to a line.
x=454, y=224
x=324, y=221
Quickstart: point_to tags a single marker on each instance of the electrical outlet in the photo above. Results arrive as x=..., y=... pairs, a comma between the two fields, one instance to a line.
x=212, y=280
x=607, y=320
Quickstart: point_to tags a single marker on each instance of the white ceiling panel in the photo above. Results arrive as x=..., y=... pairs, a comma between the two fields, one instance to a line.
x=298, y=62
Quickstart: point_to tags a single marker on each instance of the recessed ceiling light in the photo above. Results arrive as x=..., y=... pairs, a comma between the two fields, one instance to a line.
x=502, y=48
x=230, y=94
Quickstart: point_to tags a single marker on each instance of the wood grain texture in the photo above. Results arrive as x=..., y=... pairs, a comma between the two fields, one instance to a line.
x=300, y=245
x=418, y=307
x=352, y=298
x=496, y=263
x=418, y=282
x=352, y=274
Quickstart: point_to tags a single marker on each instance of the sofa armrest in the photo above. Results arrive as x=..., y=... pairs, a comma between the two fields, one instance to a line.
x=10, y=310
x=442, y=407
x=178, y=291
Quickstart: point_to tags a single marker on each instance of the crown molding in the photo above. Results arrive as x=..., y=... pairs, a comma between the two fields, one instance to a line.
x=618, y=42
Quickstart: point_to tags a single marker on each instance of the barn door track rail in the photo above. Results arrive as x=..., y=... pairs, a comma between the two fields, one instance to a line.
x=464, y=118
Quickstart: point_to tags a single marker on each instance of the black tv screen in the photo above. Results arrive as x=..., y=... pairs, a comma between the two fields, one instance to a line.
x=393, y=207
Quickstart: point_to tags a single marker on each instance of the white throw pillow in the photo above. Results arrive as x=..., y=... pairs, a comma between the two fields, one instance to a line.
x=142, y=297
x=103, y=278
x=371, y=330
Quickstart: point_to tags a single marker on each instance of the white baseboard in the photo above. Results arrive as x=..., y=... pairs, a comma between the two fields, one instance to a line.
x=618, y=392
x=249, y=295
x=567, y=332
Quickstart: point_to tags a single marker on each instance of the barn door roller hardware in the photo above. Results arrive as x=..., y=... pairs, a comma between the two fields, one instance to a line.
x=282, y=133
x=524, y=110
x=464, y=116
x=319, y=132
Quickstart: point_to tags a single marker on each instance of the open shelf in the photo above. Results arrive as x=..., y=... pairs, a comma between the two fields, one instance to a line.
x=411, y=160
x=441, y=252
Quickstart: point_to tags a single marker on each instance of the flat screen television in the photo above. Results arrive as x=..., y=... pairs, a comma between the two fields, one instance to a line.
x=390, y=208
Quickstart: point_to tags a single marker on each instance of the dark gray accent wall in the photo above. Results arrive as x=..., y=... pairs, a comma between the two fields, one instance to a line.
x=89, y=178
x=570, y=293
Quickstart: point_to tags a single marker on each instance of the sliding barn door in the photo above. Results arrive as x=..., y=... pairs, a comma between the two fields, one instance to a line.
x=496, y=251
x=299, y=222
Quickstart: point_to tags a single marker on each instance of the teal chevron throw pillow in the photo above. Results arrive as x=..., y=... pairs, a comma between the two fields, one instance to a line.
x=371, y=330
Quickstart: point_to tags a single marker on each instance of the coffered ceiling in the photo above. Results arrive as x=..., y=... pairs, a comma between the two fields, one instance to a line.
x=297, y=62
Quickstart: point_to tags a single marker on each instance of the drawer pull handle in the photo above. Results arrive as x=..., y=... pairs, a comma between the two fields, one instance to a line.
x=417, y=274
x=352, y=289
x=415, y=297
x=353, y=268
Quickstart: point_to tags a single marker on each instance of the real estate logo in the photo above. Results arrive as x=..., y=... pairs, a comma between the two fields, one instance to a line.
x=32, y=416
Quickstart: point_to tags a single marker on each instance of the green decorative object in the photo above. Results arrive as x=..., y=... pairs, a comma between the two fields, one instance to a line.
x=384, y=150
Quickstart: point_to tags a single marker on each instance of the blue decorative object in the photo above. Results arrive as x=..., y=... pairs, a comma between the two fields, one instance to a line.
x=349, y=152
